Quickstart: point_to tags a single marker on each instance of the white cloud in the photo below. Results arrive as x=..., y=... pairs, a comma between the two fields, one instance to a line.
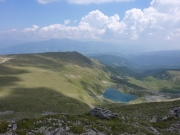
x=173, y=35
x=165, y=2
x=95, y=19
x=66, y=22
x=9, y=31
x=155, y=23
x=83, y=30
x=95, y=1
x=99, y=20
x=33, y=29
x=46, y=1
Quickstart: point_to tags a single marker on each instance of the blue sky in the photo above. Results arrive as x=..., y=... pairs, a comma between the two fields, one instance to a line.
x=121, y=21
x=24, y=13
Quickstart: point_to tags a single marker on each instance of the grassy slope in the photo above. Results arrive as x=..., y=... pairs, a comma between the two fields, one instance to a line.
x=170, y=83
x=33, y=84
x=49, y=82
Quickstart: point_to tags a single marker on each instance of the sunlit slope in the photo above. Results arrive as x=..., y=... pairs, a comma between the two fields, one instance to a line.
x=50, y=82
x=163, y=80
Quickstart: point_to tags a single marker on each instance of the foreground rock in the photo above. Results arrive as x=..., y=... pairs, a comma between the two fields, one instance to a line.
x=102, y=113
x=175, y=112
x=51, y=126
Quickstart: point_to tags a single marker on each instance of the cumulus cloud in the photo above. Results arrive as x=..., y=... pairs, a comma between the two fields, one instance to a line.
x=33, y=29
x=173, y=35
x=99, y=20
x=83, y=30
x=165, y=2
x=46, y=1
x=95, y=1
x=153, y=23
x=136, y=23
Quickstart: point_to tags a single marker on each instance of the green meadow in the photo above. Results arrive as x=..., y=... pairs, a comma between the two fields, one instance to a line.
x=33, y=84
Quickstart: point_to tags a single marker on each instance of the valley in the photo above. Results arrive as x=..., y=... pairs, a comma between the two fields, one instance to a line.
x=66, y=85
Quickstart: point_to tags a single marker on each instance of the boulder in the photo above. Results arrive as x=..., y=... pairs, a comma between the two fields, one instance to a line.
x=102, y=113
x=175, y=112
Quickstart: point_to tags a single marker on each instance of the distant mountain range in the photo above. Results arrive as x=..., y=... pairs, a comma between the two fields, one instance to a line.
x=107, y=53
x=113, y=60
x=143, y=61
x=156, y=60
x=63, y=45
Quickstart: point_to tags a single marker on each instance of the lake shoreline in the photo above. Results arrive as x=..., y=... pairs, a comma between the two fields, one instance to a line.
x=117, y=96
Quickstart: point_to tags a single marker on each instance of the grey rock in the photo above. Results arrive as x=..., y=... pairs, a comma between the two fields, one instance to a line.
x=50, y=133
x=178, y=113
x=154, y=119
x=175, y=112
x=14, y=126
x=154, y=130
x=165, y=118
x=60, y=124
x=67, y=128
x=102, y=113
x=123, y=118
x=78, y=123
x=91, y=132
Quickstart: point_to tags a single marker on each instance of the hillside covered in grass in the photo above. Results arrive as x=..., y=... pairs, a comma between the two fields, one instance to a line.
x=62, y=82
x=166, y=81
x=54, y=92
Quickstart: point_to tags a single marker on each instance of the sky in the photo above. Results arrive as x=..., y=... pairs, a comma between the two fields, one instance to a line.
x=153, y=23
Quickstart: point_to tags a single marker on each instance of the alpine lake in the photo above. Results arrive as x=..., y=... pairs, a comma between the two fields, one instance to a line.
x=117, y=96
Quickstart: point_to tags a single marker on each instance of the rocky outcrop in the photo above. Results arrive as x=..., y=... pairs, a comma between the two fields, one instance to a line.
x=175, y=112
x=51, y=126
x=102, y=113
x=174, y=128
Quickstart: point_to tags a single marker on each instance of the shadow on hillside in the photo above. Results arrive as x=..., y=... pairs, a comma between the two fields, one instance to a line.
x=173, y=90
x=8, y=80
x=39, y=100
x=85, y=87
x=6, y=75
x=5, y=70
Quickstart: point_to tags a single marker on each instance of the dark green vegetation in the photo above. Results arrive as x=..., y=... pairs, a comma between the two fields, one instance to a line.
x=132, y=119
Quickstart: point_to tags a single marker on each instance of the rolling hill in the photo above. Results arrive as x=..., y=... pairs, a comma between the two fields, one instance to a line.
x=40, y=90
x=163, y=80
x=32, y=84
x=67, y=82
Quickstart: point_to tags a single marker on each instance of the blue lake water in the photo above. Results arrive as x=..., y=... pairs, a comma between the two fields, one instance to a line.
x=117, y=96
